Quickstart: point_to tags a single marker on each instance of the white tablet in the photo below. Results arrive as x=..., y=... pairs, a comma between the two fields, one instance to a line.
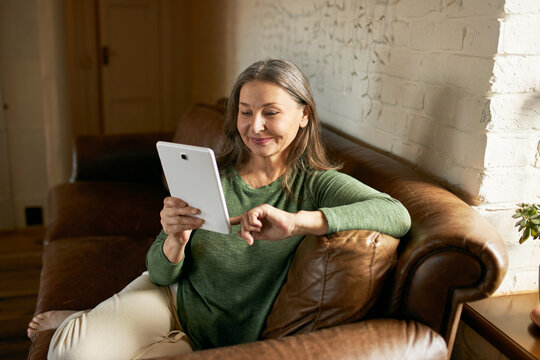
x=192, y=175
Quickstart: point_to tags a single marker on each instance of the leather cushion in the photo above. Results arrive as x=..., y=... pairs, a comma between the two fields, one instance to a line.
x=104, y=208
x=118, y=157
x=79, y=273
x=332, y=280
x=366, y=340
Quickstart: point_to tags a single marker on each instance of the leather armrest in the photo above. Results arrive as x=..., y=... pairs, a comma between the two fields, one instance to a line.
x=124, y=157
x=372, y=339
x=452, y=255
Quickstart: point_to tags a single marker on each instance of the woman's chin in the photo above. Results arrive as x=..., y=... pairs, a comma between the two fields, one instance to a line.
x=262, y=151
x=535, y=316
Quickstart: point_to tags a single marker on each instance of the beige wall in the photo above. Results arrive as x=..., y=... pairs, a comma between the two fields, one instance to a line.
x=24, y=135
x=181, y=62
x=6, y=196
x=51, y=28
x=34, y=128
x=210, y=49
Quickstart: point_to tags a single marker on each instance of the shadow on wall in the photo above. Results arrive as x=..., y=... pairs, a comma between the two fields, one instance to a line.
x=529, y=119
x=451, y=141
x=530, y=113
x=211, y=49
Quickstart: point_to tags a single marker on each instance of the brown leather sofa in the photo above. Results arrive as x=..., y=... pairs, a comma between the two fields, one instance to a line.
x=350, y=295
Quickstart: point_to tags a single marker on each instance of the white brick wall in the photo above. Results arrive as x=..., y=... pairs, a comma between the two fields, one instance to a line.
x=411, y=95
x=515, y=111
x=512, y=174
x=522, y=6
x=510, y=150
x=447, y=85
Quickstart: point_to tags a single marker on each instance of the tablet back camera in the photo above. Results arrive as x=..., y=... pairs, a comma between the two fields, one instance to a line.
x=184, y=156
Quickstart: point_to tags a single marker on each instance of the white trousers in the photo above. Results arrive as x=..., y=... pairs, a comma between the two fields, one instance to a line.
x=139, y=322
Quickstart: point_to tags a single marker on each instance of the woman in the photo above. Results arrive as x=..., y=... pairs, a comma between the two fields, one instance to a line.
x=214, y=289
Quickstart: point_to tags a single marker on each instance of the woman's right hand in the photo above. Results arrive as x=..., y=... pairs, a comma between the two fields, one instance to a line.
x=177, y=219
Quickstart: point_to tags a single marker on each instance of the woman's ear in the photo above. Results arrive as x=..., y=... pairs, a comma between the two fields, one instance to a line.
x=305, y=116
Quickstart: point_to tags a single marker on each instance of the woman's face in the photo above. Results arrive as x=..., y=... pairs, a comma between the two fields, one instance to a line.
x=269, y=119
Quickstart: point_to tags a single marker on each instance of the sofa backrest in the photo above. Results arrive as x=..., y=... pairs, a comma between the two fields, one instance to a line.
x=202, y=125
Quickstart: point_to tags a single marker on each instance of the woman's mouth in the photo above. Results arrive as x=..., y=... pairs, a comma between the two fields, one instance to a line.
x=260, y=140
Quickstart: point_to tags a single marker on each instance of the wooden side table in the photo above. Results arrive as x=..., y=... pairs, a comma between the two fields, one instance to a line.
x=504, y=321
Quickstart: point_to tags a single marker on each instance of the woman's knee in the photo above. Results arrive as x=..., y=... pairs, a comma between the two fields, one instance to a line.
x=69, y=338
x=73, y=341
x=80, y=337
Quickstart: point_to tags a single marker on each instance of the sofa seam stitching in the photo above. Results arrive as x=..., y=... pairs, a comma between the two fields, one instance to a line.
x=373, y=246
x=319, y=311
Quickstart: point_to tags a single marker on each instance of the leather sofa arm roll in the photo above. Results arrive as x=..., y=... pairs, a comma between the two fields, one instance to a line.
x=124, y=157
x=372, y=339
x=452, y=255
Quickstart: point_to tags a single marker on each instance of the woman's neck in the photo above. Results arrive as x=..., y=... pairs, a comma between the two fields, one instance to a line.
x=261, y=172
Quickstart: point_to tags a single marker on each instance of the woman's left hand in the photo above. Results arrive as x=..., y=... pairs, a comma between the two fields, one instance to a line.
x=265, y=222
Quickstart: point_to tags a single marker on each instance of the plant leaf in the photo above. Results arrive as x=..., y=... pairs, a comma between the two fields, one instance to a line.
x=526, y=234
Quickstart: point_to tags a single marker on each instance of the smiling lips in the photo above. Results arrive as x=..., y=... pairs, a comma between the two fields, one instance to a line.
x=260, y=140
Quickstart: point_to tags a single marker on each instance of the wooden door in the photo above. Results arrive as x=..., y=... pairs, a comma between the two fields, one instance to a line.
x=131, y=81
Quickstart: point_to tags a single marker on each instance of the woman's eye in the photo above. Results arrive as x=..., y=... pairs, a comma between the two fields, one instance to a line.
x=272, y=113
x=245, y=113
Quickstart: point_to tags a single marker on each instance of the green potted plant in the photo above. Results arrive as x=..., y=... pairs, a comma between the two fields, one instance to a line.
x=528, y=216
x=529, y=220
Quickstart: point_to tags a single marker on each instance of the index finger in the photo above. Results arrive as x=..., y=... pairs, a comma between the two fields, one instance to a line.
x=236, y=220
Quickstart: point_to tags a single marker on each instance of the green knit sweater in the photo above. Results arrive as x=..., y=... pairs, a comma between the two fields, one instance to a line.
x=226, y=287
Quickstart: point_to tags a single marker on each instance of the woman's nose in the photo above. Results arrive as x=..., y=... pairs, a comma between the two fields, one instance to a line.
x=257, y=124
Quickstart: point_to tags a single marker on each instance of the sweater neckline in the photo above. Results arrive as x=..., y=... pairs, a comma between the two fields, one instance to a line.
x=245, y=185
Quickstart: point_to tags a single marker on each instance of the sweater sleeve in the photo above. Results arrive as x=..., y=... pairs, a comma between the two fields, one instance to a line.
x=349, y=204
x=162, y=272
